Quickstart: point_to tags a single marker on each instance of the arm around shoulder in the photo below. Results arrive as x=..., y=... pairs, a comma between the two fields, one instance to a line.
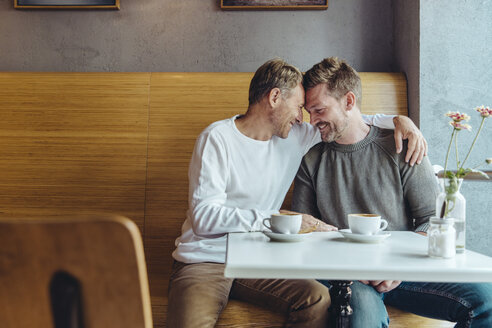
x=382, y=121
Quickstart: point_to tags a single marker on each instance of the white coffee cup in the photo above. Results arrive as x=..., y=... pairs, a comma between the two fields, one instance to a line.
x=366, y=224
x=284, y=223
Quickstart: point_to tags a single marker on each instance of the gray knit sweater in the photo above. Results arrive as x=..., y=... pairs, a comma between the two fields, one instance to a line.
x=366, y=177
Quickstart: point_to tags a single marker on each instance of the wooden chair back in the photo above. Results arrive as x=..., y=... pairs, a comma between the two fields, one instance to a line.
x=104, y=255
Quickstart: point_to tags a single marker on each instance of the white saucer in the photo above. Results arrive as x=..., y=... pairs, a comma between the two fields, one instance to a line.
x=286, y=237
x=377, y=238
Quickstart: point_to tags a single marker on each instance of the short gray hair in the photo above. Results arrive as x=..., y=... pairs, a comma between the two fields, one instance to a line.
x=275, y=73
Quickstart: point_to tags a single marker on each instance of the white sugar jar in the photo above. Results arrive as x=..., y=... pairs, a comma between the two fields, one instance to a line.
x=442, y=238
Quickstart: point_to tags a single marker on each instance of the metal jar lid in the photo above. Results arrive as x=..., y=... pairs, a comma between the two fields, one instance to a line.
x=437, y=220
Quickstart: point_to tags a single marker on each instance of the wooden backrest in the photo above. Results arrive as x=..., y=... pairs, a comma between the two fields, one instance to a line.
x=121, y=143
x=105, y=254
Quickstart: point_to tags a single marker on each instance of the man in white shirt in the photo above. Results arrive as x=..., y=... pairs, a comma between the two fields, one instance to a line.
x=239, y=174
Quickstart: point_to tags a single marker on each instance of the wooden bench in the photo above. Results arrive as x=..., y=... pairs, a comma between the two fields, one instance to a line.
x=121, y=143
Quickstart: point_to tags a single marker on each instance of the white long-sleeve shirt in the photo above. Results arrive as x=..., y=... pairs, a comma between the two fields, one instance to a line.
x=235, y=182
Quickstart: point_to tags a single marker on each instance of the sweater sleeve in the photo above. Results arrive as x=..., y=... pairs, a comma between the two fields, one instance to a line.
x=420, y=190
x=304, y=196
x=208, y=177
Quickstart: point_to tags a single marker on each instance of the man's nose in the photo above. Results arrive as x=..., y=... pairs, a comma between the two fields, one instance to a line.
x=299, y=117
x=313, y=118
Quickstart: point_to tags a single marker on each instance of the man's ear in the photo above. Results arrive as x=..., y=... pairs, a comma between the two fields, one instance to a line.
x=274, y=97
x=350, y=101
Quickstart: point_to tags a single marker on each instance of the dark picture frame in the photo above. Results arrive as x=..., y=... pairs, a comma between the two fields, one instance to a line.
x=273, y=4
x=67, y=4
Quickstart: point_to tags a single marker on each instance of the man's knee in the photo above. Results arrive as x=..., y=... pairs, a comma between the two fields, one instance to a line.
x=311, y=305
x=197, y=295
x=368, y=307
x=482, y=302
x=317, y=296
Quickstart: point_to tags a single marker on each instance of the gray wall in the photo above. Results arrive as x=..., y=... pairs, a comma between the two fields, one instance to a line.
x=442, y=48
x=193, y=35
x=456, y=75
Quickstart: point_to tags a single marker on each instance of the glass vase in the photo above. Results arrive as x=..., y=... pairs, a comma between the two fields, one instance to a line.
x=450, y=203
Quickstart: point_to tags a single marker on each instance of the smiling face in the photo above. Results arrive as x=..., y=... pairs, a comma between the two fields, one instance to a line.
x=327, y=113
x=287, y=112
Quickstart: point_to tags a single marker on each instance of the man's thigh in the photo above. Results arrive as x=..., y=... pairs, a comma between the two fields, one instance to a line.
x=198, y=293
x=304, y=302
x=456, y=302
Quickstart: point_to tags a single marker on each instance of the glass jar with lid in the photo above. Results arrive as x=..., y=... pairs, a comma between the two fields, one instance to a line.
x=442, y=238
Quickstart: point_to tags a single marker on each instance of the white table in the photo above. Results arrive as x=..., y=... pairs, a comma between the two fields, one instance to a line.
x=327, y=255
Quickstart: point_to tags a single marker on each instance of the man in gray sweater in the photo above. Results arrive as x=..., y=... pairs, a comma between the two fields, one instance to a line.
x=356, y=169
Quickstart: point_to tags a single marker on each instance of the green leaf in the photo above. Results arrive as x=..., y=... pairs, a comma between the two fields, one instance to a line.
x=449, y=175
x=461, y=173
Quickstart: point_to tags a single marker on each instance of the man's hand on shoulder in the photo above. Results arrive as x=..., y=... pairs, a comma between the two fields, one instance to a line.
x=310, y=223
x=417, y=145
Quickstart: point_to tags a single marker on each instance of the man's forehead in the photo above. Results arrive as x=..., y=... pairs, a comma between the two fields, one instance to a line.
x=321, y=90
x=298, y=92
x=313, y=95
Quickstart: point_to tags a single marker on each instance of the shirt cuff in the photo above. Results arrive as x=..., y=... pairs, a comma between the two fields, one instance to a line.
x=258, y=224
x=423, y=227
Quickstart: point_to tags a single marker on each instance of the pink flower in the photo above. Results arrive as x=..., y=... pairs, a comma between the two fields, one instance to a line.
x=484, y=111
x=457, y=116
x=458, y=126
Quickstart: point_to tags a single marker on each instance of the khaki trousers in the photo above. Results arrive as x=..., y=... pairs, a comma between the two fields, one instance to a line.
x=199, y=292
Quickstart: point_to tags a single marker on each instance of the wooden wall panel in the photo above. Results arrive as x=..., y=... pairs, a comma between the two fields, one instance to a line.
x=384, y=93
x=73, y=143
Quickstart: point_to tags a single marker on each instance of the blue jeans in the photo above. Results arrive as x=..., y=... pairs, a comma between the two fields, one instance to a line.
x=467, y=304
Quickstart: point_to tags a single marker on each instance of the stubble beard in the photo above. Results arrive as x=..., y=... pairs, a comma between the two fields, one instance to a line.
x=284, y=130
x=334, y=132
x=281, y=129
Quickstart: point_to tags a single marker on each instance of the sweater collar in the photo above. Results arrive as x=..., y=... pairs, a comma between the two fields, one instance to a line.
x=373, y=132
